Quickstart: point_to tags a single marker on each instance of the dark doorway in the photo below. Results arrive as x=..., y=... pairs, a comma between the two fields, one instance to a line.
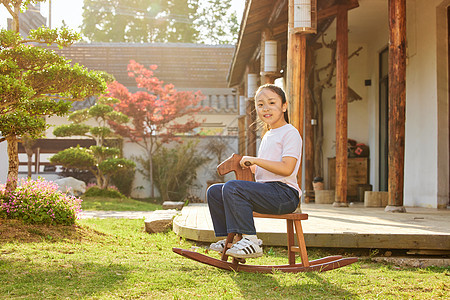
x=383, y=119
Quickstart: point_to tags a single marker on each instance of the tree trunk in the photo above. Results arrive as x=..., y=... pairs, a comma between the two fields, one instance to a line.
x=98, y=177
x=13, y=159
x=104, y=184
x=28, y=143
x=152, y=186
x=29, y=163
x=16, y=17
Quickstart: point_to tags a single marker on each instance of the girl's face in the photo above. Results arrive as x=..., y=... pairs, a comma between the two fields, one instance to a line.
x=270, y=109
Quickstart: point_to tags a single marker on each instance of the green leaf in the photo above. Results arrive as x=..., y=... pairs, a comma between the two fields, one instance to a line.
x=71, y=129
x=74, y=157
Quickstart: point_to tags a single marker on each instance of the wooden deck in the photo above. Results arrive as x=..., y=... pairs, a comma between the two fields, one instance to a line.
x=327, y=226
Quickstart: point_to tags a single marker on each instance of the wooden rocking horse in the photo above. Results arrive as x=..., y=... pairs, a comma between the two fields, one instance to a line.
x=292, y=220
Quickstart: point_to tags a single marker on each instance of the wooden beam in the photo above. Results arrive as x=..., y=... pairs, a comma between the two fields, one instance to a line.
x=278, y=7
x=397, y=103
x=256, y=54
x=333, y=10
x=341, y=105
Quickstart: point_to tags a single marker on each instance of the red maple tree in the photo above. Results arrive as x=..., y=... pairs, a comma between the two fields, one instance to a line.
x=158, y=115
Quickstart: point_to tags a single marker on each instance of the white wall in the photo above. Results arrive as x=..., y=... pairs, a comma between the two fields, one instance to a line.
x=443, y=154
x=3, y=162
x=421, y=107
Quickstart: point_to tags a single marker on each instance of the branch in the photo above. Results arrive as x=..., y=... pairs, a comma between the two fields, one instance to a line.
x=356, y=52
x=11, y=12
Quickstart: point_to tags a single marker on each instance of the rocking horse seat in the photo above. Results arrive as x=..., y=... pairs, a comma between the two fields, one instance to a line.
x=293, y=220
x=291, y=216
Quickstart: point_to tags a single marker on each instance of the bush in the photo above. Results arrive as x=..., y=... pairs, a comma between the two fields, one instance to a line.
x=175, y=169
x=95, y=191
x=39, y=202
x=123, y=180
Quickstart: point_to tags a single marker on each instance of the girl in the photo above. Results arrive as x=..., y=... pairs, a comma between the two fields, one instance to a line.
x=275, y=191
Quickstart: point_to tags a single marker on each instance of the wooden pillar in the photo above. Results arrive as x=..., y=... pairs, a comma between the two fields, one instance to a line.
x=341, y=105
x=296, y=78
x=241, y=137
x=251, y=127
x=308, y=140
x=397, y=103
x=295, y=85
x=251, y=113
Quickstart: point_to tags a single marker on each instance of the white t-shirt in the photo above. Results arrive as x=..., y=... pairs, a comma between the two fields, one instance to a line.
x=276, y=144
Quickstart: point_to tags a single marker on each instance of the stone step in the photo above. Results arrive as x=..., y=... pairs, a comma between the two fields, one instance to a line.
x=173, y=205
x=160, y=220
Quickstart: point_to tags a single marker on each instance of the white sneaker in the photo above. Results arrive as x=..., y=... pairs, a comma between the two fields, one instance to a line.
x=218, y=246
x=245, y=248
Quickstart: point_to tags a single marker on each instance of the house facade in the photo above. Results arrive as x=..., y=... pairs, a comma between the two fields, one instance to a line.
x=370, y=70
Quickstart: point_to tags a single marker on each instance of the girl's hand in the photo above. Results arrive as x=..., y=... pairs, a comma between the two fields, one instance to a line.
x=285, y=167
x=247, y=161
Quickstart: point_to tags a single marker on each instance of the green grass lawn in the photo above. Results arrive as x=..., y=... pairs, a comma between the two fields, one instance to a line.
x=118, y=204
x=116, y=259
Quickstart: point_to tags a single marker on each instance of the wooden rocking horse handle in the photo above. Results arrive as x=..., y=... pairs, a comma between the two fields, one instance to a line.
x=232, y=164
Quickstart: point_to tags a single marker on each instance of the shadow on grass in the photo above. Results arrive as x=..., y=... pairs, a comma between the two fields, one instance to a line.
x=308, y=285
x=67, y=280
x=16, y=231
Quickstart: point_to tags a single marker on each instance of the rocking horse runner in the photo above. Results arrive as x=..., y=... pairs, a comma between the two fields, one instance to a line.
x=275, y=194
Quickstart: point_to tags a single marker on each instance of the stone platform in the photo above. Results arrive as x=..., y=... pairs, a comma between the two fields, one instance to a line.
x=419, y=229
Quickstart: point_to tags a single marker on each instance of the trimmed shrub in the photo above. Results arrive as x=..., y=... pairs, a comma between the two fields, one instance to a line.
x=39, y=202
x=95, y=191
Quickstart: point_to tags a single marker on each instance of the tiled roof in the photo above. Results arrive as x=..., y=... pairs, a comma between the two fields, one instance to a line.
x=184, y=65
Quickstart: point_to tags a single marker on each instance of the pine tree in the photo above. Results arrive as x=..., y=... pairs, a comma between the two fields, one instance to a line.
x=28, y=75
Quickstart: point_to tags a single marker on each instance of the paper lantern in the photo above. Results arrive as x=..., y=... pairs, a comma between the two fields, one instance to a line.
x=305, y=16
x=252, y=84
x=270, y=56
x=242, y=105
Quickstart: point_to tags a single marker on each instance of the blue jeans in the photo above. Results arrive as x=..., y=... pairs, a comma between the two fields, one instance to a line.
x=231, y=204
